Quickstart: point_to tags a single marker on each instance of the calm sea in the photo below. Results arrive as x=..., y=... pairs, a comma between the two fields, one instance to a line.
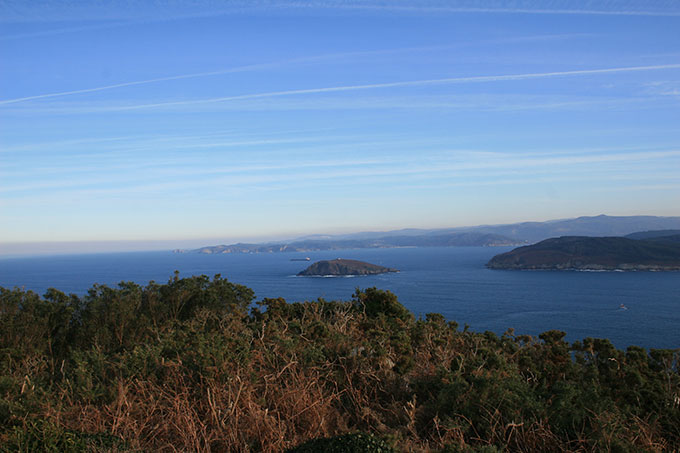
x=452, y=281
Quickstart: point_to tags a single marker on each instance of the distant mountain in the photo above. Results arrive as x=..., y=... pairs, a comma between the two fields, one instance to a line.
x=309, y=245
x=592, y=253
x=341, y=267
x=597, y=226
x=483, y=235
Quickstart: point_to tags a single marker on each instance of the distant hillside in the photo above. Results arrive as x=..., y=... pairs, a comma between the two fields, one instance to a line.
x=484, y=235
x=601, y=225
x=597, y=226
x=666, y=235
x=309, y=245
x=592, y=253
x=344, y=267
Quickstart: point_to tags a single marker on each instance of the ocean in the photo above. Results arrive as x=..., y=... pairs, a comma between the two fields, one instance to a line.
x=448, y=280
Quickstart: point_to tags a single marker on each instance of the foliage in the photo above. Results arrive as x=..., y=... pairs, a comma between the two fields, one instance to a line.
x=192, y=365
x=44, y=436
x=346, y=443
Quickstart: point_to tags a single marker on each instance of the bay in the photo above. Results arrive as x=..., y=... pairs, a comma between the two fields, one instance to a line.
x=452, y=281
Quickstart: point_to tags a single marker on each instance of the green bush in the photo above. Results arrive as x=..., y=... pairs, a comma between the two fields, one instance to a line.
x=44, y=436
x=376, y=302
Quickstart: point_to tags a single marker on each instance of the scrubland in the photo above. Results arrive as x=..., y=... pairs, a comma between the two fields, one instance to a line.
x=194, y=365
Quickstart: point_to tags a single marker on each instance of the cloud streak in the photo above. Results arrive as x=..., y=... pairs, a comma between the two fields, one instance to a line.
x=542, y=11
x=260, y=66
x=322, y=90
x=141, y=11
x=410, y=83
x=150, y=176
x=142, y=82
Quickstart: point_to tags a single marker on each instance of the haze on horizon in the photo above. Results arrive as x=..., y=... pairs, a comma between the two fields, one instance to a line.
x=178, y=120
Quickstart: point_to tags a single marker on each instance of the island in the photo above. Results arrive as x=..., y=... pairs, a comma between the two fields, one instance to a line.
x=594, y=253
x=342, y=267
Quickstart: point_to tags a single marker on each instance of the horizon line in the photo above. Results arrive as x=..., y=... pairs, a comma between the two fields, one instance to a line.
x=262, y=239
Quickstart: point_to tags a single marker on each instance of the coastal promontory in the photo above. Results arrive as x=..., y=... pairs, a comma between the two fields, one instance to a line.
x=593, y=253
x=342, y=267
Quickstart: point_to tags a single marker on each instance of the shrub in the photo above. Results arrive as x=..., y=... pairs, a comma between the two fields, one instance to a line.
x=346, y=443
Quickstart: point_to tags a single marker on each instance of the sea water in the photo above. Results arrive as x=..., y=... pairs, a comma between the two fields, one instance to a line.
x=452, y=281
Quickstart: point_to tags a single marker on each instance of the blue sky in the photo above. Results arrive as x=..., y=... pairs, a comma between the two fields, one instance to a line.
x=182, y=122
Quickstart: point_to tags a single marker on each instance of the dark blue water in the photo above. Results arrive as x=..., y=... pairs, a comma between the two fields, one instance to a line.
x=451, y=281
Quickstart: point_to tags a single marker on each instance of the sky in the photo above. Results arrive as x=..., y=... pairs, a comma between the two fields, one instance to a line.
x=136, y=124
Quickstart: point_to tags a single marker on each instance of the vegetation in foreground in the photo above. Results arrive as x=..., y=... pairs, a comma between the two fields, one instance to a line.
x=189, y=366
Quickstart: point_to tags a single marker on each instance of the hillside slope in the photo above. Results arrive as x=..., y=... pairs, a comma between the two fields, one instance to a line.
x=592, y=253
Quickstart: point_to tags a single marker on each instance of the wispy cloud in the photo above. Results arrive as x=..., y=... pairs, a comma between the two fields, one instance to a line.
x=61, y=30
x=481, y=102
x=140, y=10
x=500, y=10
x=664, y=88
x=114, y=15
x=465, y=102
x=142, y=82
x=300, y=60
x=410, y=83
x=317, y=171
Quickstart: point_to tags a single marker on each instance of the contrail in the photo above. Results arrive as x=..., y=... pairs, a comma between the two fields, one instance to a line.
x=245, y=68
x=444, y=9
x=257, y=66
x=595, y=12
x=451, y=80
x=140, y=82
x=445, y=81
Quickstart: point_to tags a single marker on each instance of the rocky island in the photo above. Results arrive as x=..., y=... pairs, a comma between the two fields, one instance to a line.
x=341, y=267
x=594, y=253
